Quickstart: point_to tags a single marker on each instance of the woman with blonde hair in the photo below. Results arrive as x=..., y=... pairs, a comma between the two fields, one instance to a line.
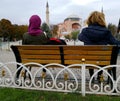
x=96, y=17
x=97, y=33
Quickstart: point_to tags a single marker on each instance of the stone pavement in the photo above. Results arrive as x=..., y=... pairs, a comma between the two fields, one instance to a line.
x=6, y=56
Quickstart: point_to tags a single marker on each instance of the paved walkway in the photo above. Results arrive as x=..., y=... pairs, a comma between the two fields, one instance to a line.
x=6, y=56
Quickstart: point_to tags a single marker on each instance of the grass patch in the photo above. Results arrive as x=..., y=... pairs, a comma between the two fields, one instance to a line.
x=13, y=94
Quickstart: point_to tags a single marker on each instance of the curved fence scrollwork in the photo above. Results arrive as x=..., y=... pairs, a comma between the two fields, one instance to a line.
x=60, y=78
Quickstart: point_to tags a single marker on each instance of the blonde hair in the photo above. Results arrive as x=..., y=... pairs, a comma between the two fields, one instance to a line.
x=96, y=17
x=54, y=31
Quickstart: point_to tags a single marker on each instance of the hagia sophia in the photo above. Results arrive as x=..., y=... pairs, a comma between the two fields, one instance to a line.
x=71, y=23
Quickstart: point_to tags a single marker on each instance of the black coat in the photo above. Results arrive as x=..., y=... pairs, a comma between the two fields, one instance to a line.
x=97, y=35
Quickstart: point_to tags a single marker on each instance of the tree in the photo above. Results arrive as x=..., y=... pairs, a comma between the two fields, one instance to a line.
x=118, y=31
x=11, y=32
x=19, y=31
x=68, y=36
x=6, y=29
x=74, y=35
x=46, y=29
x=0, y=32
x=112, y=28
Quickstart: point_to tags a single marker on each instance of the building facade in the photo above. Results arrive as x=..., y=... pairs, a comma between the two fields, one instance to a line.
x=71, y=23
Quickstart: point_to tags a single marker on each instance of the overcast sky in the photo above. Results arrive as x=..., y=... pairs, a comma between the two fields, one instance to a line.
x=19, y=11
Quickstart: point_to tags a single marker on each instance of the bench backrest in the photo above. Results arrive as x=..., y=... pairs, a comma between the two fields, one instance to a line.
x=44, y=54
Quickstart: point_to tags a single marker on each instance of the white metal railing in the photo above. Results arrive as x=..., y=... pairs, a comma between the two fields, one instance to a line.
x=62, y=79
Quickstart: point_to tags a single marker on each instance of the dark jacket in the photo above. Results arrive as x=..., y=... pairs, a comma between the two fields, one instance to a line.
x=97, y=35
x=41, y=40
x=34, y=40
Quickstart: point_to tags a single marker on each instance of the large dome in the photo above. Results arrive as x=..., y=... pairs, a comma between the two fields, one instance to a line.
x=73, y=17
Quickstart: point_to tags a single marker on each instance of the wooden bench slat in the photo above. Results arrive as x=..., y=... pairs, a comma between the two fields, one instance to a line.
x=39, y=52
x=37, y=47
x=89, y=47
x=41, y=61
x=87, y=62
x=87, y=52
x=87, y=57
x=40, y=56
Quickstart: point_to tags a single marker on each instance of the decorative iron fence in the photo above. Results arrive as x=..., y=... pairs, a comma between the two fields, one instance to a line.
x=60, y=78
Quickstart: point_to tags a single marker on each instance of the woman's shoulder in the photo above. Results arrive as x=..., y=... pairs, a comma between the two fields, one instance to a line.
x=26, y=34
x=29, y=35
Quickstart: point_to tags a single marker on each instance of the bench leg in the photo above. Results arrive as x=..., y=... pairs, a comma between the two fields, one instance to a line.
x=99, y=76
x=18, y=72
x=113, y=74
x=91, y=72
x=28, y=74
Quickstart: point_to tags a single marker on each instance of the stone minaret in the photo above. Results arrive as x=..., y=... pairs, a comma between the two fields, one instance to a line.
x=47, y=13
x=102, y=10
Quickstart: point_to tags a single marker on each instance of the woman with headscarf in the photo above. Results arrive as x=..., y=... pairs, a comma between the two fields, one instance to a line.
x=34, y=36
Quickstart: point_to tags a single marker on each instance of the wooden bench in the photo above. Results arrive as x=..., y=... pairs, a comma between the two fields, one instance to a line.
x=44, y=54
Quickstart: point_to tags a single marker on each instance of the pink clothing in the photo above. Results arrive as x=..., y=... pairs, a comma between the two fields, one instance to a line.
x=34, y=25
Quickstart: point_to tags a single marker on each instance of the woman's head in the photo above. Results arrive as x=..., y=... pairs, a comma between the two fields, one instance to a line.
x=54, y=31
x=96, y=18
x=34, y=25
